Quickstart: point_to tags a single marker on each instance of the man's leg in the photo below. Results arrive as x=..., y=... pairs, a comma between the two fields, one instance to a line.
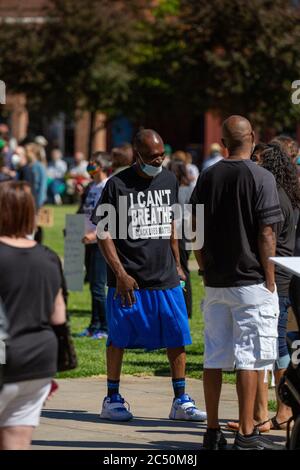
x=212, y=383
x=113, y=407
x=246, y=389
x=183, y=407
x=261, y=414
x=177, y=360
x=114, y=358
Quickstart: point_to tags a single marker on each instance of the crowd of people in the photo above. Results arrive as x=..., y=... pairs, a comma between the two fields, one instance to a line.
x=251, y=199
x=49, y=175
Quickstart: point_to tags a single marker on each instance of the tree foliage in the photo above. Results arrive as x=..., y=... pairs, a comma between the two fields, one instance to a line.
x=81, y=56
x=140, y=57
x=241, y=57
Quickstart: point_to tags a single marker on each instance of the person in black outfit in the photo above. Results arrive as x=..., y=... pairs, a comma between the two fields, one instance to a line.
x=185, y=190
x=30, y=287
x=276, y=160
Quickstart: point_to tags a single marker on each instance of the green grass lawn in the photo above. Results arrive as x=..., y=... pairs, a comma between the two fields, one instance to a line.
x=91, y=353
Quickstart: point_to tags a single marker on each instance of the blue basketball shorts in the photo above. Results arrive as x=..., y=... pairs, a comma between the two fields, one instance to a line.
x=158, y=319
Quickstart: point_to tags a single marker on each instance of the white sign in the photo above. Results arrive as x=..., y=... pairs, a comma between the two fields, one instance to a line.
x=2, y=92
x=74, y=252
x=290, y=263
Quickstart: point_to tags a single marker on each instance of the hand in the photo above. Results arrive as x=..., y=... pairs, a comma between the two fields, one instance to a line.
x=79, y=189
x=54, y=387
x=125, y=288
x=271, y=286
x=89, y=238
x=180, y=273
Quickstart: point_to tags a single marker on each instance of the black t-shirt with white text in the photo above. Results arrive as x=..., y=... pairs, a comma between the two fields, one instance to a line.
x=144, y=218
x=238, y=197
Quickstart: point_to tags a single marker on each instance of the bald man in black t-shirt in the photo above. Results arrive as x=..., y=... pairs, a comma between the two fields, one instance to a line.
x=241, y=307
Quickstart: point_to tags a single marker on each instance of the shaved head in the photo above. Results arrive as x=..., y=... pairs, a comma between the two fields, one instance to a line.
x=145, y=139
x=237, y=133
x=148, y=148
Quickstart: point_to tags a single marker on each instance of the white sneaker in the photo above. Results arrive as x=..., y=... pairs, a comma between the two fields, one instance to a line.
x=113, y=409
x=57, y=199
x=184, y=409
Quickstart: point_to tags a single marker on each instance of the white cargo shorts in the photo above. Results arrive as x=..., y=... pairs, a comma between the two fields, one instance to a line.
x=240, y=327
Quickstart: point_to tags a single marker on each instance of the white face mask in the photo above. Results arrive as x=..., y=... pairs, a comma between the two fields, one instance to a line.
x=15, y=160
x=150, y=170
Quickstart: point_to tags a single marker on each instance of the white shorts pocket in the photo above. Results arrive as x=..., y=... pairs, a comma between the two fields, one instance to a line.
x=268, y=321
x=268, y=347
x=268, y=332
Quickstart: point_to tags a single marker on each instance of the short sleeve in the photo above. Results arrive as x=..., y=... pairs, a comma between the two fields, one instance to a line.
x=267, y=206
x=108, y=197
x=176, y=192
x=197, y=195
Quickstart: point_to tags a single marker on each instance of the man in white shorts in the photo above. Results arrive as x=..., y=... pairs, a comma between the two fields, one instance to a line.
x=241, y=307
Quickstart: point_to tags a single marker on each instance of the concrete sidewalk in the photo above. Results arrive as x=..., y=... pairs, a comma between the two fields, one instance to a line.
x=71, y=420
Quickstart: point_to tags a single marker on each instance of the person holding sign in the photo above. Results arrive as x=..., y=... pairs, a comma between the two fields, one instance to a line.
x=97, y=169
x=145, y=303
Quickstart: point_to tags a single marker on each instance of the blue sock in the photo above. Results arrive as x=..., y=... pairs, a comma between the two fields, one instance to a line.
x=178, y=387
x=112, y=387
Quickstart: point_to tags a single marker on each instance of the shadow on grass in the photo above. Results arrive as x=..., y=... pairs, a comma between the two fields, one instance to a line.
x=79, y=312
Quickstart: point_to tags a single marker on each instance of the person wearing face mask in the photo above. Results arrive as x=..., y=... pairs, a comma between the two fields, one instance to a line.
x=145, y=302
x=97, y=168
x=4, y=170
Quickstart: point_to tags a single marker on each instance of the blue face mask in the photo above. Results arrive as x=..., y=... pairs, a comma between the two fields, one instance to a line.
x=150, y=170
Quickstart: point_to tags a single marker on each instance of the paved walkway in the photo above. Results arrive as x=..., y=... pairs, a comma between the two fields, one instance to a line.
x=70, y=419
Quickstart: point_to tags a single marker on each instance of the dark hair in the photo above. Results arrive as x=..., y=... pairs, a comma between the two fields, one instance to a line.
x=179, y=169
x=276, y=160
x=258, y=149
x=102, y=159
x=288, y=144
x=17, y=215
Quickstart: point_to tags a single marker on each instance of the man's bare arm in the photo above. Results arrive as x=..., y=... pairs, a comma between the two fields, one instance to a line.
x=199, y=259
x=176, y=254
x=125, y=284
x=267, y=248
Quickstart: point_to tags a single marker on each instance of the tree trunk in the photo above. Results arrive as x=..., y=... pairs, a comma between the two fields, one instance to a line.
x=91, y=134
